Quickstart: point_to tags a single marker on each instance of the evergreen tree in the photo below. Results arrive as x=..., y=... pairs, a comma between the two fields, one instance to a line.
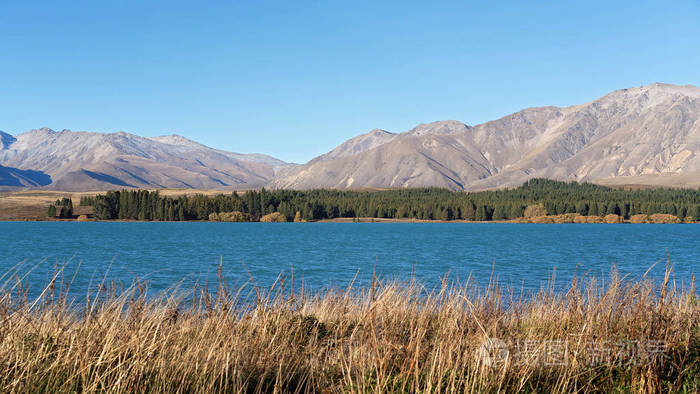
x=613, y=209
x=481, y=213
x=425, y=203
x=468, y=211
x=593, y=209
x=66, y=210
x=181, y=213
x=695, y=213
x=625, y=210
x=499, y=212
x=51, y=212
x=582, y=208
x=516, y=211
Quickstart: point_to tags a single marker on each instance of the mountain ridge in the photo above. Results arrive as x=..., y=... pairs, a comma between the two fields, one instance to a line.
x=642, y=134
x=594, y=141
x=80, y=161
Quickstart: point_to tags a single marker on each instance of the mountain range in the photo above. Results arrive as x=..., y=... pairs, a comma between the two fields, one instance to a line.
x=646, y=135
x=79, y=161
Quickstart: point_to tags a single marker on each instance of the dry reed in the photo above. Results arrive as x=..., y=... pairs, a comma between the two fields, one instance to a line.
x=389, y=337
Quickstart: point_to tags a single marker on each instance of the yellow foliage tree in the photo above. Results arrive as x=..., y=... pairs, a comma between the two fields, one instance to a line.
x=274, y=217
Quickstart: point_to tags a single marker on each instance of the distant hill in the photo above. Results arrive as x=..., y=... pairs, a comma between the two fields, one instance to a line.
x=644, y=135
x=79, y=161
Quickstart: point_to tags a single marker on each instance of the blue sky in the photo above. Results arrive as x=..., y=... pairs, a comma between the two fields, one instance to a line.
x=294, y=79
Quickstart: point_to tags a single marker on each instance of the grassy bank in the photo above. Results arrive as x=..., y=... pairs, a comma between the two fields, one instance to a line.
x=630, y=336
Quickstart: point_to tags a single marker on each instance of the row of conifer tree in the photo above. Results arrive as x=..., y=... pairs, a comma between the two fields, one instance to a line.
x=422, y=203
x=62, y=208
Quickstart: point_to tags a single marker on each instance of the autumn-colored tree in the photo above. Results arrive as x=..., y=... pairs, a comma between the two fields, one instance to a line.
x=297, y=217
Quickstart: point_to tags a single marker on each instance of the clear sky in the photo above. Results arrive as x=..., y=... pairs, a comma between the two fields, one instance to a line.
x=293, y=79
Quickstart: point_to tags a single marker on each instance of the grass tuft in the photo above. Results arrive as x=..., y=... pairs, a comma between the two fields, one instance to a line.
x=624, y=336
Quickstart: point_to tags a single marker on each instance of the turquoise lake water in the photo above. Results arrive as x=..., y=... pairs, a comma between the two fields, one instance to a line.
x=330, y=254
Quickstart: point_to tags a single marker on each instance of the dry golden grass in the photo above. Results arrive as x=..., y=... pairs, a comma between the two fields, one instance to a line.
x=189, y=192
x=390, y=337
x=31, y=204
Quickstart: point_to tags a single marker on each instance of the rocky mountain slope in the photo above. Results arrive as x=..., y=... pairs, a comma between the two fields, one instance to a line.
x=79, y=161
x=648, y=135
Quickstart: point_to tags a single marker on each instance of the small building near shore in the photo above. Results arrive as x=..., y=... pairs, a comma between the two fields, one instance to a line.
x=87, y=212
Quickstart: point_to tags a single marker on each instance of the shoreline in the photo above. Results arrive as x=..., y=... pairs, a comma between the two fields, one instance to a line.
x=539, y=201
x=336, y=220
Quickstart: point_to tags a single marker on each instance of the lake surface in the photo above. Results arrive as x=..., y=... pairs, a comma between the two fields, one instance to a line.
x=330, y=254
